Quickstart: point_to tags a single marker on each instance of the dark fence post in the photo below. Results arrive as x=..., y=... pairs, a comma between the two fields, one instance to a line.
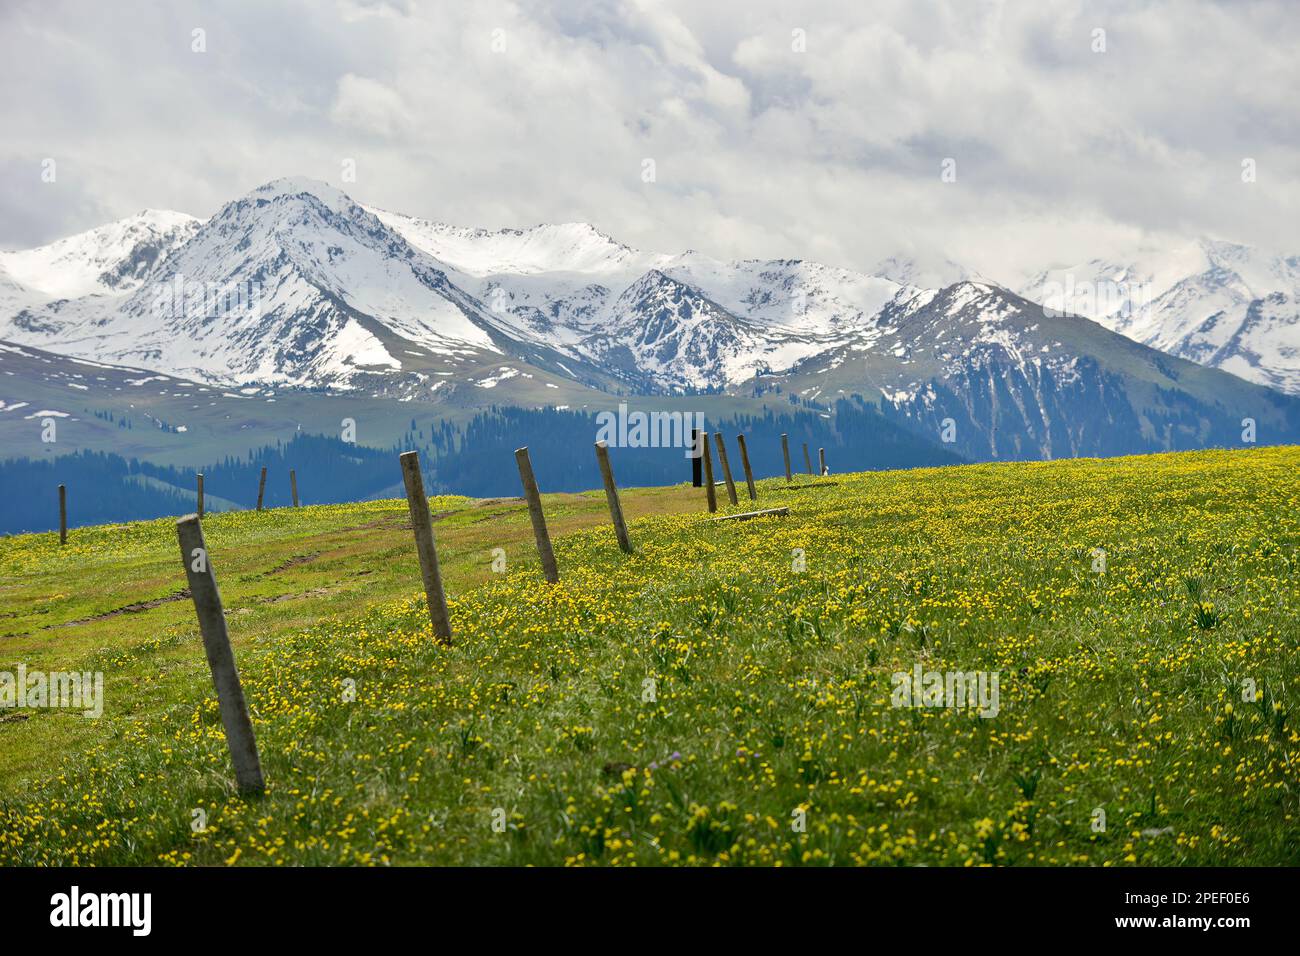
x=696, y=477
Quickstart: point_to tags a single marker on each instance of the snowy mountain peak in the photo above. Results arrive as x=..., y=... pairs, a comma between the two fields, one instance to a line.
x=162, y=220
x=656, y=283
x=298, y=186
x=108, y=259
x=295, y=284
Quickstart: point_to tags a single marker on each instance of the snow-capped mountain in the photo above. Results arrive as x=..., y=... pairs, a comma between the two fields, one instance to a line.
x=662, y=322
x=1220, y=304
x=1012, y=381
x=295, y=285
x=292, y=285
x=111, y=260
x=307, y=285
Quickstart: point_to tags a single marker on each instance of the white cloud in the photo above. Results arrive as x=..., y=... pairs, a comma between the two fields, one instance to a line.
x=369, y=106
x=833, y=153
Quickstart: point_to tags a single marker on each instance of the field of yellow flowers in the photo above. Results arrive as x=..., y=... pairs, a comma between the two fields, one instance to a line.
x=721, y=696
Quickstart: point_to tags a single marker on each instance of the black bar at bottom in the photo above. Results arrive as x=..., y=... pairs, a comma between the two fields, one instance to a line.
x=1228, y=906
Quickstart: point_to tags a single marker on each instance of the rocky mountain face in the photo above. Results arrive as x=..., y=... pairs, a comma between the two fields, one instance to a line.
x=1219, y=304
x=296, y=286
x=994, y=376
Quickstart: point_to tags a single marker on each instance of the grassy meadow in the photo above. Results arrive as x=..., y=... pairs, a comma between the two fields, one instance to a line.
x=720, y=696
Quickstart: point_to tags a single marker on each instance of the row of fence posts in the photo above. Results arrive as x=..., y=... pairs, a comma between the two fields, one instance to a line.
x=202, y=579
x=261, y=489
x=261, y=494
x=701, y=462
x=199, y=572
x=807, y=459
x=702, y=468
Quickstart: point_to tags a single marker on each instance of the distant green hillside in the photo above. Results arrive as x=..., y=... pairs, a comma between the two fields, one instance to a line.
x=473, y=458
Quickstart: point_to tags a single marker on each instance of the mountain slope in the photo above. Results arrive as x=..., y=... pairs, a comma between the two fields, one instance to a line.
x=1017, y=383
x=1221, y=304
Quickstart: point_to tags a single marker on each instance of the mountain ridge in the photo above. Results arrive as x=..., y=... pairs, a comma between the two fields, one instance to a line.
x=296, y=285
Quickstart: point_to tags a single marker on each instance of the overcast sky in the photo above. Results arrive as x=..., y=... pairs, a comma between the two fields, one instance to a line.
x=777, y=128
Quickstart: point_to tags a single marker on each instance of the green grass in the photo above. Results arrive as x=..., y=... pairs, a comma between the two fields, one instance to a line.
x=696, y=701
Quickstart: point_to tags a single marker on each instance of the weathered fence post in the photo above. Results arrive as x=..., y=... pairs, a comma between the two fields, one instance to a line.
x=221, y=657
x=710, y=493
x=696, y=477
x=611, y=495
x=785, y=452
x=534, y=497
x=200, y=478
x=261, y=487
x=63, y=514
x=422, y=524
x=821, y=461
x=293, y=486
x=744, y=461
x=807, y=459
x=726, y=469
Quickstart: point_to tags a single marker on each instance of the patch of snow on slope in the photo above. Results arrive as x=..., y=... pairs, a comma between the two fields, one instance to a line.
x=492, y=381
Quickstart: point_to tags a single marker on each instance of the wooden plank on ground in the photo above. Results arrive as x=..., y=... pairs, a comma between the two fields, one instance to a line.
x=769, y=512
